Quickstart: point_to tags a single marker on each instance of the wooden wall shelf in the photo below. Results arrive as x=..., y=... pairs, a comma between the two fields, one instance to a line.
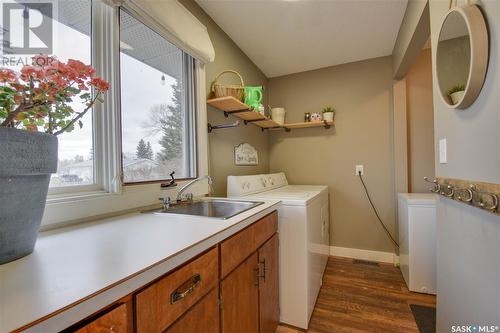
x=238, y=109
x=232, y=106
x=325, y=124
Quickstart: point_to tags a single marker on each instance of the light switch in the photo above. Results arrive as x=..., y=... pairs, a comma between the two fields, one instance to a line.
x=443, y=156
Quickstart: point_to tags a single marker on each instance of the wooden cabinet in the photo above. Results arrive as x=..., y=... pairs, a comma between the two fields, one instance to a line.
x=269, y=311
x=240, y=298
x=202, y=318
x=231, y=288
x=114, y=321
x=250, y=292
x=238, y=247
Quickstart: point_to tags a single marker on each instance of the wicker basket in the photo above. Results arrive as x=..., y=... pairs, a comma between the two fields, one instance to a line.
x=237, y=91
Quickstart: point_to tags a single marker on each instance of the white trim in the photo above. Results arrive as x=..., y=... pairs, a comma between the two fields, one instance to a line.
x=107, y=125
x=201, y=118
x=386, y=257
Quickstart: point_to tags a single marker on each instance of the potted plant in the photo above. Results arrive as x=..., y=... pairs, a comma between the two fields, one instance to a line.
x=35, y=108
x=456, y=93
x=328, y=114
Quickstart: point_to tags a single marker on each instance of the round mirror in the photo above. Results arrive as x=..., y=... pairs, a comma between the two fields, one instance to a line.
x=462, y=56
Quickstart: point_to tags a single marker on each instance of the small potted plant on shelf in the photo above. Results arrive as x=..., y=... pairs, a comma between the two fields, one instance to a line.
x=328, y=114
x=35, y=107
x=456, y=93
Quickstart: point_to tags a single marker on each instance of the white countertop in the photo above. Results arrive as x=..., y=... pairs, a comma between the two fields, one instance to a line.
x=75, y=271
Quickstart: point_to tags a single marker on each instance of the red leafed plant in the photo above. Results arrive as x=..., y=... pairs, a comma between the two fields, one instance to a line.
x=39, y=97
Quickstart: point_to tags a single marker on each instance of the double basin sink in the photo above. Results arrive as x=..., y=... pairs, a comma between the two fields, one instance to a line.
x=215, y=208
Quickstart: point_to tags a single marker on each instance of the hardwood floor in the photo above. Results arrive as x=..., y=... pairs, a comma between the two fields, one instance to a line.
x=362, y=298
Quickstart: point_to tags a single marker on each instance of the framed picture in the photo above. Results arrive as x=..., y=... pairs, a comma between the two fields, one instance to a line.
x=245, y=154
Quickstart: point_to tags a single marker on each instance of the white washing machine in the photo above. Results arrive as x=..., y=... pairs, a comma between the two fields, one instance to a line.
x=303, y=225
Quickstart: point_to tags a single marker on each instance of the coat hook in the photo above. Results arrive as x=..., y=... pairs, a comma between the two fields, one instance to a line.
x=437, y=186
x=468, y=197
x=480, y=203
x=451, y=192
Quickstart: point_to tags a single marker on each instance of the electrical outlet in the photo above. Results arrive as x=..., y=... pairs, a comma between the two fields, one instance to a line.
x=359, y=168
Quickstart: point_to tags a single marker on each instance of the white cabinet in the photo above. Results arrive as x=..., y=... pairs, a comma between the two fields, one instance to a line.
x=417, y=240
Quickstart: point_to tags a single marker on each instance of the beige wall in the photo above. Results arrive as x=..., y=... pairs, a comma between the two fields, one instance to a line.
x=222, y=142
x=362, y=94
x=412, y=35
x=420, y=118
x=400, y=137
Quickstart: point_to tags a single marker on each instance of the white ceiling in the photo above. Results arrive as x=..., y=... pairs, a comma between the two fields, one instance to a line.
x=290, y=36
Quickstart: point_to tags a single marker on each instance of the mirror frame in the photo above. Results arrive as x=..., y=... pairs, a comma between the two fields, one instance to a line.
x=479, y=47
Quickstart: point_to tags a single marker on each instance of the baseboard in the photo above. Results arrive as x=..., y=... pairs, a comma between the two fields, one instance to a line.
x=386, y=257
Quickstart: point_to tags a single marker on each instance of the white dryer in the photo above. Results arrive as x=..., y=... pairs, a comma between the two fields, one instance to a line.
x=303, y=225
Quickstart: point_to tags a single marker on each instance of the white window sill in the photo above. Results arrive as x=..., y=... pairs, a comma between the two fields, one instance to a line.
x=60, y=198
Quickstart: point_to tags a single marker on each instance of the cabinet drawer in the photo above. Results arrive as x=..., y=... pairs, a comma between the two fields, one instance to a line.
x=160, y=304
x=201, y=318
x=114, y=321
x=264, y=229
x=236, y=248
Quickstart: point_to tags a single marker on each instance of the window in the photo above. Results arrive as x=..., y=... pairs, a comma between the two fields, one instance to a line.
x=71, y=23
x=157, y=105
x=75, y=164
x=146, y=126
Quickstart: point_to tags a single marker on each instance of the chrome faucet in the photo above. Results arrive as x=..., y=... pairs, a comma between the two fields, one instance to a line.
x=188, y=185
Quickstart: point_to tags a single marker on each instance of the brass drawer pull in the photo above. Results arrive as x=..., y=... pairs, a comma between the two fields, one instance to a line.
x=185, y=289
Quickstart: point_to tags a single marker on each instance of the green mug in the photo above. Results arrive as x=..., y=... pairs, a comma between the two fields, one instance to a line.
x=253, y=96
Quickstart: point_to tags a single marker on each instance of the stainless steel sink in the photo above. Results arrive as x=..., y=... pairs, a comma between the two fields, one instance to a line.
x=217, y=208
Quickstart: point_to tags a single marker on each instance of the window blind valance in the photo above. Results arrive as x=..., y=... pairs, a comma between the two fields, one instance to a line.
x=170, y=18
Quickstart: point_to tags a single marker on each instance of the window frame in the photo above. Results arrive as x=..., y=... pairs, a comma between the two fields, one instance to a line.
x=188, y=70
x=96, y=184
x=109, y=196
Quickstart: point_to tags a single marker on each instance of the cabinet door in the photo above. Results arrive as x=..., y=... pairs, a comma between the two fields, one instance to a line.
x=202, y=318
x=269, y=310
x=240, y=298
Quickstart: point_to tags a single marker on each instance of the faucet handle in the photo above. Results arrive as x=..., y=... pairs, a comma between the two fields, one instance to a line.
x=166, y=202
